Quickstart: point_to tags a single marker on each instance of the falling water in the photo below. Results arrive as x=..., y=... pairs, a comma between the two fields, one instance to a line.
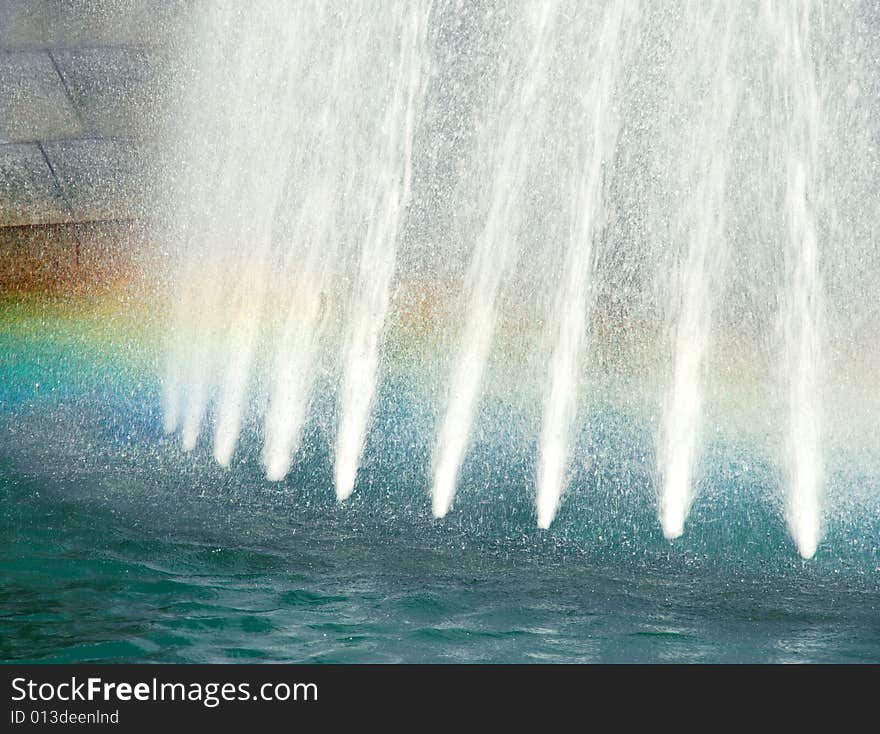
x=630, y=206
x=697, y=280
x=801, y=296
x=333, y=177
x=569, y=317
x=377, y=260
x=240, y=211
x=298, y=345
x=493, y=253
x=286, y=244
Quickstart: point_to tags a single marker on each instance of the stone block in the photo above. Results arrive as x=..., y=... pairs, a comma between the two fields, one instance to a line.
x=37, y=258
x=118, y=92
x=29, y=193
x=105, y=179
x=33, y=102
x=71, y=258
x=79, y=23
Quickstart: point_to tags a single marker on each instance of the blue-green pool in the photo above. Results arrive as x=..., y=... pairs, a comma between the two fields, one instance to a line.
x=116, y=546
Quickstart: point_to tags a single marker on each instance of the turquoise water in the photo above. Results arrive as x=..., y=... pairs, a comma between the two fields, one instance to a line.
x=115, y=546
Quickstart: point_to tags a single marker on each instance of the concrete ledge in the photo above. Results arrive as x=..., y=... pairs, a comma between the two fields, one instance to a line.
x=33, y=101
x=82, y=84
x=69, y=258
x=29, y=192
x=104, y=179
x=118, y=92
x=76, y=181
x=29, y=24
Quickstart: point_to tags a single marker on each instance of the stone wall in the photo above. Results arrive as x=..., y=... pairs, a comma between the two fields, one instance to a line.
x=81, y=120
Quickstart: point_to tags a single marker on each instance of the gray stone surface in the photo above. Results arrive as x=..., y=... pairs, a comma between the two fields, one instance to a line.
x=34, y=104
x=38, y=257
x=81, y=23
x=28, y=191
x=69, y=257
x=82, y=82
x=104, y=179
x=107, y=250
x=117, y=91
